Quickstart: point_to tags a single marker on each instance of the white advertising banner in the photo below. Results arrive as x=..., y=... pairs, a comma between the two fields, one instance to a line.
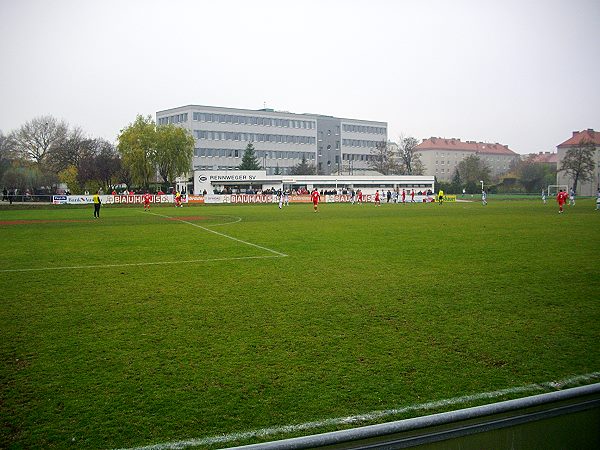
x=114, y=199
x=213, y=198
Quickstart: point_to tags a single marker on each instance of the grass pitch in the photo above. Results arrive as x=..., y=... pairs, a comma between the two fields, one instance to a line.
x=137, y=329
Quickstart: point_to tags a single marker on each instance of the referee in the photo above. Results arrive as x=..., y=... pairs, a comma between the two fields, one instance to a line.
x=97, y=204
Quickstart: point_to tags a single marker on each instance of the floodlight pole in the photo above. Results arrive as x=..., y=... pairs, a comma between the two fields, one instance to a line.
x=481, y=181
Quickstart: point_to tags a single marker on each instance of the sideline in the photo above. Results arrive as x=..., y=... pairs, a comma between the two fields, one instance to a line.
x=265, y=432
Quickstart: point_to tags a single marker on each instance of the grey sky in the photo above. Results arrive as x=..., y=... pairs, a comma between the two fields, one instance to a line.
x=525, y=73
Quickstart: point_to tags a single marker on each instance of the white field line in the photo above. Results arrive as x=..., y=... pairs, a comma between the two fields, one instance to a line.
x=265, y=432
x=106, y=266
x=157, y=263
x=222, y=234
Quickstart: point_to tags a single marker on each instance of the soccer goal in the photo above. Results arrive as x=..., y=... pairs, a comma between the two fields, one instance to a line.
x=554, y=188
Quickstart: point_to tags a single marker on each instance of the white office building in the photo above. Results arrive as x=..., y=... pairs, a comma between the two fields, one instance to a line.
x=280, y=139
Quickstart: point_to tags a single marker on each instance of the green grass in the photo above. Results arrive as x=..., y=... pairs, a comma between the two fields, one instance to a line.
x=373, y=309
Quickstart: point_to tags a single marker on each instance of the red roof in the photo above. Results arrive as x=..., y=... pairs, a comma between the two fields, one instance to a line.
x=588, y=135
x=436, y=143
x=543, y=157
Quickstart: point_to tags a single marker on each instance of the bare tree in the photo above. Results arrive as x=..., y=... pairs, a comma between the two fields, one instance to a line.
x=382, y=159
x=410, y=160
x=69, y=151
x=578, y=162
x=36, y=138
x=102, y=165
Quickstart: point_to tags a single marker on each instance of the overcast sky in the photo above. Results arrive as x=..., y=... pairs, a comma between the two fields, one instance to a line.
x=524, y=73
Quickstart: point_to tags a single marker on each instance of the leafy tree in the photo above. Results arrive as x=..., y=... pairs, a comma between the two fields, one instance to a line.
x=36, y=138
x=24, y=177
x=249, y=161
x=531, y=176
x=68, y=176
x=174, y=152
x=410, y=160
x=303, y=168
x=578, y=162
x=382, y=159
x=6, y=154
x=471, y=171
x=137, y=146
x=456, y=183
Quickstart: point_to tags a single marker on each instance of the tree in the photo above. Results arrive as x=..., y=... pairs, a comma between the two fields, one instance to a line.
x=472, y=170
x=6, y=154
x=68, y=176
x=101, y=166
x=24, y=177
x=36, y=138
x=578, y=162
x=303, y=168
x=410, y=160
x=382, y=159
x=69, y=151
x=137, y=146
x=174, y=152
x=456, y=183
x=249, y=161
x=108, y=163
x=531, y=176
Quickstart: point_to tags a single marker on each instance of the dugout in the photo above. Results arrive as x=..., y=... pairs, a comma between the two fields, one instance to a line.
x=244, y=181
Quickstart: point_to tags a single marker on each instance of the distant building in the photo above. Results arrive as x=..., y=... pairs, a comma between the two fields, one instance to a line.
x=548, y=158
x=588, y=187
x=441, y=156
x=280, y=139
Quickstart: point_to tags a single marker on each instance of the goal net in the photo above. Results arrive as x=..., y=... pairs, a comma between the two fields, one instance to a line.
x=553, y=189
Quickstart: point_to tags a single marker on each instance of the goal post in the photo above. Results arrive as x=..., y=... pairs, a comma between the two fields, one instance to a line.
x=553, y=189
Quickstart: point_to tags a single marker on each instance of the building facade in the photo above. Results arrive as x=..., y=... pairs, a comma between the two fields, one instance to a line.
x=280, y=139
x=441, y=156
x=583, y=187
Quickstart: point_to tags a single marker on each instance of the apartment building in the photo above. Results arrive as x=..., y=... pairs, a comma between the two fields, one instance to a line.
x=589, y=187
x=441, y=156
x=281, y=139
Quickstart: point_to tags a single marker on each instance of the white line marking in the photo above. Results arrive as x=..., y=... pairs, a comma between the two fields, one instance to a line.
x=158, y=263
x=265, y=432
x=238, y=219
x=105, y=266
x=222, y=234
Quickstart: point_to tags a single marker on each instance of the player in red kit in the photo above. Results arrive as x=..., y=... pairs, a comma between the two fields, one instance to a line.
x=146, y=201
x=359, y=195
x=561, y=199
x=315, y=197
x=377, y=201
x=412, y=196
x=403, y=196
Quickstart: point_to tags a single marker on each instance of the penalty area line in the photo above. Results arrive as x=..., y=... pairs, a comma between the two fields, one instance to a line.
x=222, y=234
x=157, y=263
x=266, y=432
